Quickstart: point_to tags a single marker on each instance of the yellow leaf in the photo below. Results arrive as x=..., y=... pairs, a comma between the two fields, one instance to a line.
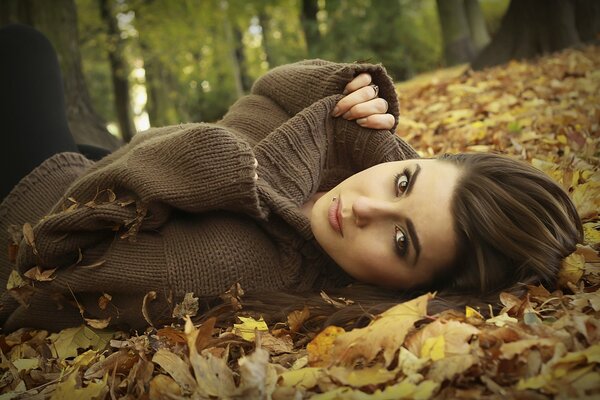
x=586, y=198
x=15, y=281
x=84, y=359
x=375, y=375
x=509, y=350
x=26, y=364
x=441, y=339
x=433, y=347
x=66, y=343
x=449, y=367
x=501, y=320
x=248, y=326
x=472, y=313
x=305, y=378
x=535, y=382
x=68, y=389
x=571, y=269
x=385, y=333
x=591, y=233
x=321, y=347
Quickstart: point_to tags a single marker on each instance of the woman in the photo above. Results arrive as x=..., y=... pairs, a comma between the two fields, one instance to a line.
x=286, y=192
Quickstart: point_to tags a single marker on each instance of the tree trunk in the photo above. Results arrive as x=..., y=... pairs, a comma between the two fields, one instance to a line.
x=310, y=26
x=58, y=21
x=236, y=68
x=160, y=110
x=263, y=20
x=241, y=59
x=587, y=19
x=479, y=32
x=119, y=72
x=530, y=28
x=458, y=47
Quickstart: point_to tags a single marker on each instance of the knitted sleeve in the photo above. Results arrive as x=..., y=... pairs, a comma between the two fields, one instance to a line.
x=296, y=86
x=295, y=156
x=195, y=168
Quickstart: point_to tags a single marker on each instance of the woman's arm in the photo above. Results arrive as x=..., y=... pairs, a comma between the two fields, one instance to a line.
x=194, y=168
x=296, y=86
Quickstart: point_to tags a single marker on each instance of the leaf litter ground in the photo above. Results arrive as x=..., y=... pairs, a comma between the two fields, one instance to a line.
x=542, y=345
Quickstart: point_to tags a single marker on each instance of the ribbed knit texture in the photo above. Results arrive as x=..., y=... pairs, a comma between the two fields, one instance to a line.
x=178, y=210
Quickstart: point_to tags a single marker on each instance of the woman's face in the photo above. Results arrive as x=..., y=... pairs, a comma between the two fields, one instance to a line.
x=391, y=224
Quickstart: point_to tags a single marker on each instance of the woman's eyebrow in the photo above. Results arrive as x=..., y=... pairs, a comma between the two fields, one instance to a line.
x=413, y=180
x=414, y=239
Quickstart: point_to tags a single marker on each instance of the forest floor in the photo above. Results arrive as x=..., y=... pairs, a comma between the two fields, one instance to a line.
x=543, y=345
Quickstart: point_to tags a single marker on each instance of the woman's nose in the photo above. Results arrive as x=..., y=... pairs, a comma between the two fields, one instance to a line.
x=367, y=210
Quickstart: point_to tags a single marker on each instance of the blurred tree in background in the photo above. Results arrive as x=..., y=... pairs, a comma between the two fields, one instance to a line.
x=162, y=62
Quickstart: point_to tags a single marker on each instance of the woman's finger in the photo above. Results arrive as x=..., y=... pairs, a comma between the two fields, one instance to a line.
x=371, y=107
x=358, y=82
x=359, y=96
x=377, y=121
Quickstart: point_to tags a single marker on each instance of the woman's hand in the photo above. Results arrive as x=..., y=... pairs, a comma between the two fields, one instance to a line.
x=362, y=104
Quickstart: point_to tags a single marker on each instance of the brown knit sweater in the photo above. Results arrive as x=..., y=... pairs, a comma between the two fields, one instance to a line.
x=178, y=210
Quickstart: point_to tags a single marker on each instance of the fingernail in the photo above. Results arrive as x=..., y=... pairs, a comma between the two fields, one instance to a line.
x=336, y=111
x=345, y=92
x=361, y=121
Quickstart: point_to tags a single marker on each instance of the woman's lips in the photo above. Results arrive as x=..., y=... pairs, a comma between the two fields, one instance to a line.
x=335, y=215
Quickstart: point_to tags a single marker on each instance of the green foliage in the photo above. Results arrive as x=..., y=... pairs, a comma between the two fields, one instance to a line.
x=493, y=10
x=199, y=56
x=93, y=46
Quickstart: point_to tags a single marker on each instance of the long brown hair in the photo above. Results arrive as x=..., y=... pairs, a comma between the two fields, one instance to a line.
x=514, y=226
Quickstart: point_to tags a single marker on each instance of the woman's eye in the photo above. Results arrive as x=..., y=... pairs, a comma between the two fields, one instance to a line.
x=401, y=241
x=402, y=181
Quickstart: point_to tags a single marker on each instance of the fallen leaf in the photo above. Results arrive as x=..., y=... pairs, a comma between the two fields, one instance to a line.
x=67, y=342
x=163, y=387
x=188, y=307
x=29, y=237
x=177, y=368
x=248, y=326
x=296, y=319
x=571, y=269
x=97, y=323
x=384, y=334
x=213, y=376
x=37, y=274
x=320, y=348
x=70, y=389
x=148, y=297
x=104, y=301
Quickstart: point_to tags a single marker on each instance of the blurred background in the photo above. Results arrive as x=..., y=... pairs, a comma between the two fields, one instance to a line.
x=131, y=64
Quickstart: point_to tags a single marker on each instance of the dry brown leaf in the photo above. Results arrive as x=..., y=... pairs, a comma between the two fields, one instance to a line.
x=29, y=237
x=384, y=334
x=296, y=318
x=97, y=323
x=151, y=295
x=38, y=274
x=104, y=301
x=187, y=307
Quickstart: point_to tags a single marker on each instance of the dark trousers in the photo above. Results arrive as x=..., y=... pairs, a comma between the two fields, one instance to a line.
x=33, y=122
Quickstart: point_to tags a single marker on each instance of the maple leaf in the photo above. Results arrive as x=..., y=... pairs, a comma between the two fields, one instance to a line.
x=249, y=325
x=384, y=334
